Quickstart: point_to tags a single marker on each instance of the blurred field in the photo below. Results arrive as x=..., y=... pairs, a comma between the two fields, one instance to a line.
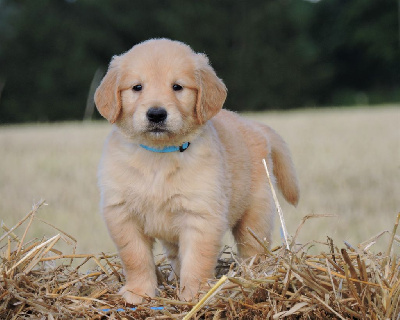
x=348, y=161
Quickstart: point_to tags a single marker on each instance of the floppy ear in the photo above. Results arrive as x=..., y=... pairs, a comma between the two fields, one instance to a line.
x=107, y=97
x=212, y=92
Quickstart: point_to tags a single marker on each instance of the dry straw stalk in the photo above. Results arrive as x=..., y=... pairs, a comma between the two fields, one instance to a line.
x=37, y=280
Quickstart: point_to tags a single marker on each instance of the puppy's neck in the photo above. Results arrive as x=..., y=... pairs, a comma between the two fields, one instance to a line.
x=167, y=149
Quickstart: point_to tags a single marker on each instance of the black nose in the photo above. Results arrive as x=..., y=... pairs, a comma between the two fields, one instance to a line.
x=156, y=114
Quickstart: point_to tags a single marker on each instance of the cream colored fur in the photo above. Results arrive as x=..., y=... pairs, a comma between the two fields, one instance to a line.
x=189, y=199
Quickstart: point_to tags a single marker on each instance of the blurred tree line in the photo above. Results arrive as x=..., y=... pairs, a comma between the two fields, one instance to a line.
x=272, y=54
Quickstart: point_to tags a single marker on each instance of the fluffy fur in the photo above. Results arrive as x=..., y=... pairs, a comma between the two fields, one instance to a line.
x=187, y=200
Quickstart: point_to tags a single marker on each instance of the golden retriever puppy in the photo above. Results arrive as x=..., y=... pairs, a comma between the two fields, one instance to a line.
x=178, y=168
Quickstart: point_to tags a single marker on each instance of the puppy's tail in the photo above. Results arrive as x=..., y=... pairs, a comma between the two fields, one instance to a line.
x=283, y=170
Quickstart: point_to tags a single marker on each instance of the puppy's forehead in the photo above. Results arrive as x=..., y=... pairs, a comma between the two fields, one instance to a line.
x=159, y=56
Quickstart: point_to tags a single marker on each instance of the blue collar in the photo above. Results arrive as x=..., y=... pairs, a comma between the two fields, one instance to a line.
x=181, y=148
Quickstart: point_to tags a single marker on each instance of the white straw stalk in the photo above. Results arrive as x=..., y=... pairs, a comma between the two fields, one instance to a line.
x=278, y=207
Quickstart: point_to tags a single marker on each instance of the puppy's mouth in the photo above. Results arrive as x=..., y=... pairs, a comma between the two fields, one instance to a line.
x=158, y=129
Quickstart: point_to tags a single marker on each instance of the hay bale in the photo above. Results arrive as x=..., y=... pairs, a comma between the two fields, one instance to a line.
x=39, y=281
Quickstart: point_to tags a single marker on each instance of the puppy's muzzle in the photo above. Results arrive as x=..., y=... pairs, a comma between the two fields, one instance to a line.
x=156, y=114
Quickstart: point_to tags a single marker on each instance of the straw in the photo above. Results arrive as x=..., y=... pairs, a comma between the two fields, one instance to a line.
x=38, y=280
x=278, y=207
x=206, y=298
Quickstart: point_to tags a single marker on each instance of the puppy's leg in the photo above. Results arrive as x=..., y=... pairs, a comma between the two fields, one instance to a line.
x=199, y=244
x=172, y=252
x=259, y=218
x=135, y=250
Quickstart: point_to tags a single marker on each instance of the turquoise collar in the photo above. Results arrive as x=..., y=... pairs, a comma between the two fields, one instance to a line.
x=181, y=148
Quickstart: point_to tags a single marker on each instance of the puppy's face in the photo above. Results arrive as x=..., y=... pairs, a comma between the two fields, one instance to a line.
x=160, y=92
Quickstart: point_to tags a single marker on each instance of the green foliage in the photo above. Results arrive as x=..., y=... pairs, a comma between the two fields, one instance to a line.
x=271, y=54
x=360, y=39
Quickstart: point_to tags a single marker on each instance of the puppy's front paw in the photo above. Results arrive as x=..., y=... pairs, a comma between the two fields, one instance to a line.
x=193, y=293
x=132, y=295
x=187, y=295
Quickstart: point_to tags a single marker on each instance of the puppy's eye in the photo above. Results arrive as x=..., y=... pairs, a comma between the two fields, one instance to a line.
x=177, y=87
x=138, y=87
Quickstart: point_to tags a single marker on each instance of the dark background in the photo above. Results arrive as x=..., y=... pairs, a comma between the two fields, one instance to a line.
x=272, y=54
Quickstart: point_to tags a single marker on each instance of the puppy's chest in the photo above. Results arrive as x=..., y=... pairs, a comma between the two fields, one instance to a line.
x=153, y=189
x=158, y=198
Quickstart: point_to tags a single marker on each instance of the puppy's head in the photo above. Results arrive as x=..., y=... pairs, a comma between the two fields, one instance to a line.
x=160, y=92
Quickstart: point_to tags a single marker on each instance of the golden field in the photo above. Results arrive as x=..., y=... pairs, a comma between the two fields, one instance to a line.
x=347, y=159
